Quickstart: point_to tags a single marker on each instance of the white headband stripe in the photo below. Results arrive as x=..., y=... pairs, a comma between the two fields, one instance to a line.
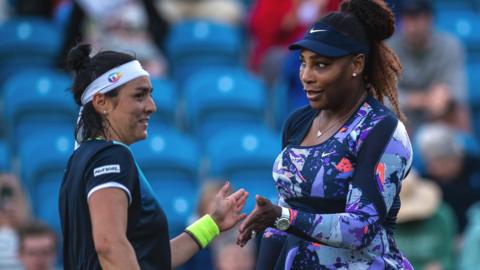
x=113, y=78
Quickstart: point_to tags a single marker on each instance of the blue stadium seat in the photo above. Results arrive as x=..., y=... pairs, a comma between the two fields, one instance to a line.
x=219, y=98
x=462, y=23
x=170, y=161
x=193, y=45
x=27, y=42
x=4, y=157
x=165, y=98
x=43, y=157
x=447, y=5
x=35, y=100
x=473, y=70
x=245, y=157
x=281, y=101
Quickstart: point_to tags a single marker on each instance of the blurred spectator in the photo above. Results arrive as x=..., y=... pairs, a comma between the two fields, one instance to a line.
x=14, y=212
x=229, y=256
x=426, y=227
x=451, y=166
x=469, y=258
x=126, y=25
x=38, y=245
x=432, y=86
x=223, y=11
x=5, y=11
x=274, y=24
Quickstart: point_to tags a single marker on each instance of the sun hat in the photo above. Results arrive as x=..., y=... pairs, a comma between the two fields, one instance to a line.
x=419, y=198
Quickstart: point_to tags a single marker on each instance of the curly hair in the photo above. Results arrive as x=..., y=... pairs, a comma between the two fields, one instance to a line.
x=372, y=22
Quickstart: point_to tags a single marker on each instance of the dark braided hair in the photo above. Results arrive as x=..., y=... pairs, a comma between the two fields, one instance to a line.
x=372, y=22
x=87, y=69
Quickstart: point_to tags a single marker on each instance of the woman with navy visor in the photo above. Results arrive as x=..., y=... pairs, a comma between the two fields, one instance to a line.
x=109, y=217
x=344, y=156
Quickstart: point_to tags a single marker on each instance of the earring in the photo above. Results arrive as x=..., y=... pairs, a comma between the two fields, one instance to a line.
x=104, y=112
x=354, y=74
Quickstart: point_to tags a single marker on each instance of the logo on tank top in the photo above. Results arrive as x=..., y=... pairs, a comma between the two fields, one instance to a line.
x=114, y=77
x=113, y=168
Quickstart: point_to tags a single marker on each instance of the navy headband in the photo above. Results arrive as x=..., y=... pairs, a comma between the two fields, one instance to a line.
x=325, y=40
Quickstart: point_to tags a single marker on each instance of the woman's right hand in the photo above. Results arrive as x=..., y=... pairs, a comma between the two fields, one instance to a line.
x=262, y=216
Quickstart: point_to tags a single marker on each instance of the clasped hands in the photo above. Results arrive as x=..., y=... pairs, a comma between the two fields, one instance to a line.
x=227, y=213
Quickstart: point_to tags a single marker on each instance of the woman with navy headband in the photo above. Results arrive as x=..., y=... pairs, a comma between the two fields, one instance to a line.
x=344, y=156
x=109, y=216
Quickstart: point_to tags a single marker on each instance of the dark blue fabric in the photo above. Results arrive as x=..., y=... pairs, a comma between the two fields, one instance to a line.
x=325, y=40
x=370, y=153
x=297, y=126
x=147, y=228
x=269, y=251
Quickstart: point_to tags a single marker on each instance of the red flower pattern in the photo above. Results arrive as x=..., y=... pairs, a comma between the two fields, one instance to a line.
x=344, y=165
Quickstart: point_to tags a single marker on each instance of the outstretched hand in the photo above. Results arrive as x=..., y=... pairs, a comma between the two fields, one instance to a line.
x=227, y=208
x=262, y=216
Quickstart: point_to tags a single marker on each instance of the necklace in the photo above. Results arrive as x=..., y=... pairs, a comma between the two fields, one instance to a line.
x=343, y=118
x=320, y=133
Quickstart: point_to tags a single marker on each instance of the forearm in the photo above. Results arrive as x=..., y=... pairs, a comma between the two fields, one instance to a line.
x=344, y=230
x=197, y=235
x=330, y=229
x=183, y=247
x=117, y=255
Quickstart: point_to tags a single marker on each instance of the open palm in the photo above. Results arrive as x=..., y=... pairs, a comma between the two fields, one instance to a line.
x=227, y=208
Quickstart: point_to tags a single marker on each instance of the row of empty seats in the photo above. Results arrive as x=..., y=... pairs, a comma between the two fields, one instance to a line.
x=194, y=46
x=214, y=99
x=190, y=46
x=27, y=42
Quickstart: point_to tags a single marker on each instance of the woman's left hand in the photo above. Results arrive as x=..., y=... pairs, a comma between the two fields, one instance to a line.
x=227, y=208
x=262, y=216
